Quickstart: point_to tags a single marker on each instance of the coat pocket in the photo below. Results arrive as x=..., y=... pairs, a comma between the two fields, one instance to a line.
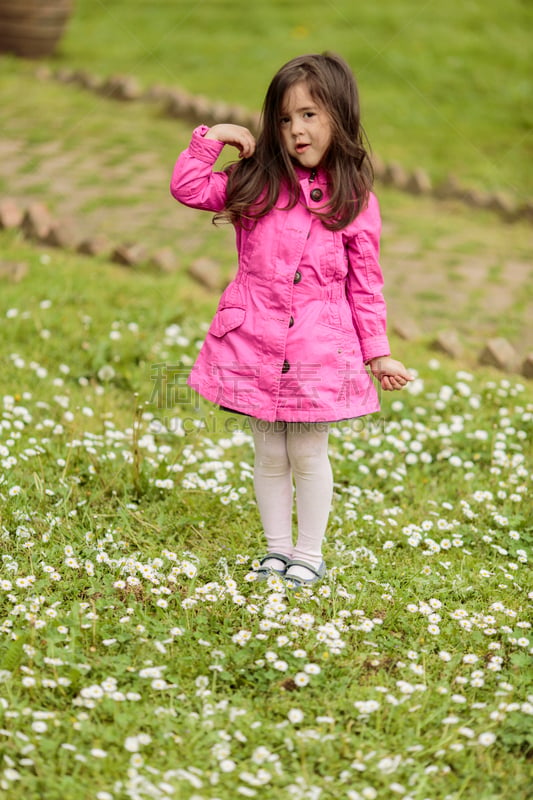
x=225, y=320
x=230, y=313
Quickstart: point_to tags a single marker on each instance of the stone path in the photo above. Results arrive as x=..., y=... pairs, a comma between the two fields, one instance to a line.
x=106, y=167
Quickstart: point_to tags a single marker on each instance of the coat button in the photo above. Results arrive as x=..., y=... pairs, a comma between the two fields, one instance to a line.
x=316, y=194
x=286, y=367
x=297, y=276
x=291, y=322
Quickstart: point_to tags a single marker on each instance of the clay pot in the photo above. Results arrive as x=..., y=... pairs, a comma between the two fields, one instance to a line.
x=32, y=28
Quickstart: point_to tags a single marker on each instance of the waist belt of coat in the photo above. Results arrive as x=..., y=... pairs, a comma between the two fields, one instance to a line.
x=305, y=288
x=333, y=291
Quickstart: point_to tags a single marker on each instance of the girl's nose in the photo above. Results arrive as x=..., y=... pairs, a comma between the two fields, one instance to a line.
x=296, y=127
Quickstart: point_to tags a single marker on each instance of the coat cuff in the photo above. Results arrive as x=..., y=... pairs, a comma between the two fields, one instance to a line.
x=377, y=347
x=207, y=150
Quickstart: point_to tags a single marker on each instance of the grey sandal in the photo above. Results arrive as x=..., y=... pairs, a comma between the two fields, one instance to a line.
x=295, y=582
x=263, y=572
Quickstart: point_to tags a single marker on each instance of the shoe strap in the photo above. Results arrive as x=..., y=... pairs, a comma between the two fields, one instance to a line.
x=284, y=559
x=297, y=563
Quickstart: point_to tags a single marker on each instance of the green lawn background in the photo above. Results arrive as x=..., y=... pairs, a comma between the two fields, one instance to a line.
x=446, y=86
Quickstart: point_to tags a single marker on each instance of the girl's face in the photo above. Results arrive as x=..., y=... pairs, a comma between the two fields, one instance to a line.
x=305, y=126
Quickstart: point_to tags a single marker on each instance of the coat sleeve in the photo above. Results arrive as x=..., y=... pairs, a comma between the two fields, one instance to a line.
x=364, y=283
x=194, y=183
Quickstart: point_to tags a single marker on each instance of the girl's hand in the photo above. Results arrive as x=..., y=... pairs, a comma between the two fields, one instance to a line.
x=236, y=135
x=390, y=373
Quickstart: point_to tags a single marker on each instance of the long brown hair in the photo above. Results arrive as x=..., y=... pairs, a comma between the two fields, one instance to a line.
x=254, y=183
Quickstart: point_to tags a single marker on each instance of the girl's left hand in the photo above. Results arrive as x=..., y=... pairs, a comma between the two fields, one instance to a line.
x=391, y=374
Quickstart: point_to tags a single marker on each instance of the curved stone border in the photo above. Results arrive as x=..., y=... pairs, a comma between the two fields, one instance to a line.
x=37, y=225
x=198, y=109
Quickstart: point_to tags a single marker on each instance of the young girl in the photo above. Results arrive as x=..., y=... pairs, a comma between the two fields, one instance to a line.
x=294, y=330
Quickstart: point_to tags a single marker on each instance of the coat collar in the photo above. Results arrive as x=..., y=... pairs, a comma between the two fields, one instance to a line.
x=318, y=175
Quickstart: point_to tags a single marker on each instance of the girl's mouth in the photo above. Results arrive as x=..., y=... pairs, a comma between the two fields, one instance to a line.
x=301, y=148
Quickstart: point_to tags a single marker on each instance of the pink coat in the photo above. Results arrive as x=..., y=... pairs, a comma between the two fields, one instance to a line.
x=305, y=311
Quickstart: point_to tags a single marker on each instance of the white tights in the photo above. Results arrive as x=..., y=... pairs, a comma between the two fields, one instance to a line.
x=284, y=449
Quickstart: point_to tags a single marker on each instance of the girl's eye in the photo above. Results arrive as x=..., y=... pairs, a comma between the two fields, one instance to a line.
x=309, y=114
x=284, y=120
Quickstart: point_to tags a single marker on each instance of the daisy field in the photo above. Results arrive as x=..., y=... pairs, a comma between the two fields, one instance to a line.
x=138, y=656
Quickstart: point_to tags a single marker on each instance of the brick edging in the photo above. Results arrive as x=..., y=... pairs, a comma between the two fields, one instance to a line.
x=37, y=225
x=197, y=109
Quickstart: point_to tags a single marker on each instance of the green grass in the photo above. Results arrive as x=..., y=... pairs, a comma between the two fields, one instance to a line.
x=137, y=660
x=444, y=86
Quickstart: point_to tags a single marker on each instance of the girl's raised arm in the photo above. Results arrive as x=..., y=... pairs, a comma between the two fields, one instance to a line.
x=194, y=182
